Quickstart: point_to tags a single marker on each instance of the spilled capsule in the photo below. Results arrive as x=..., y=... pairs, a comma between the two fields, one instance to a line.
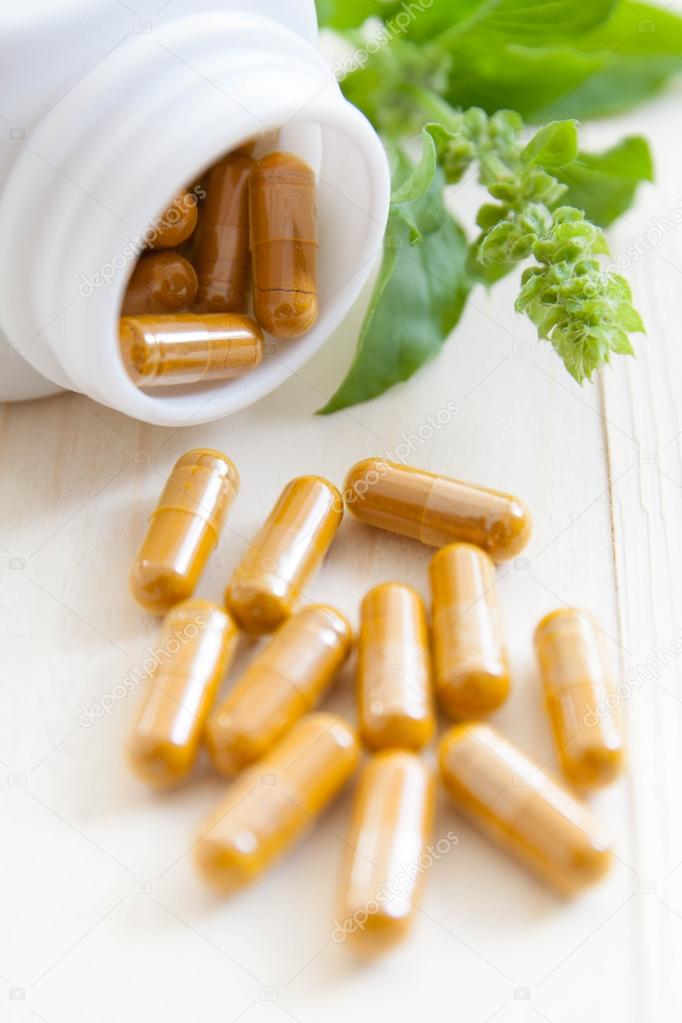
x=197, y=642
x=435, y=509
x=470, y=659
x=522, y=809
x=186, y=348
x=579, y=691
x=283, y=222
x=386, y=854
x=273, y=803
x=284, y=681
x=269, y=581
x=395, y=702
x=183, y=529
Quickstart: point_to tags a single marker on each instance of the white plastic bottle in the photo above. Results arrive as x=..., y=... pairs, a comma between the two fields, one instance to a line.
x=109, y=112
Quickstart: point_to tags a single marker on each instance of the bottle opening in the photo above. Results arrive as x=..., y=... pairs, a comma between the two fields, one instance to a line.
x=228, y=269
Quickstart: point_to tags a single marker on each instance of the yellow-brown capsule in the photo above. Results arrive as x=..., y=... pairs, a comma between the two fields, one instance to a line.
x=185, y=348
x=283, y=212
x=274, y=802
x=196, y=645
x=162, y=282
x=221, y=252
x=469, y=656
x=176, y=223
x=522, y=809
x=283, y=682
x=184, y=528
x=579, y=694
x=435, y=509
x=268, y=582
x=395, y=703
x=385, y=863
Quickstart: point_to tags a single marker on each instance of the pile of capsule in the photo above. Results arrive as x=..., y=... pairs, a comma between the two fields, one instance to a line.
x=263, y=730
x=245, y=238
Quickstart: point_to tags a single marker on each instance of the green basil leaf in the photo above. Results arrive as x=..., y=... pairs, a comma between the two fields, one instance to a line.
x=417, y=185
x=530, y=22
x=553, y=146
x=539, y=22
x=421, y=291
x=623, y=61
x=603, y=185
x=420, y=18
x=343, y=14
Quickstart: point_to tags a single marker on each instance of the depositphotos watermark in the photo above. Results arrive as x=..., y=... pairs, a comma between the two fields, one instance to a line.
x=400, y=883
x=138, y=673
x=401, y=454
x=636, y=678
x=89, y=284
x=381, y=36
x=647, y=241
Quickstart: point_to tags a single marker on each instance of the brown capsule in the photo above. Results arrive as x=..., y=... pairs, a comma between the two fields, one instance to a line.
x=184, y=528
x=395, y=704
x=386, y=858
x=522, y=809
x=176, y=223
x=435, y=509
x=196, y=645
x=470, y=660
x=221, y=253
x=185, y=348
x=274, y=802
x=284, y=681
x=162, y=282
x=269, y=580
x=283, y=212
x=579, y=695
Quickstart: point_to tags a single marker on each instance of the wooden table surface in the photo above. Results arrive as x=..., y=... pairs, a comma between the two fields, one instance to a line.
x=108, y=918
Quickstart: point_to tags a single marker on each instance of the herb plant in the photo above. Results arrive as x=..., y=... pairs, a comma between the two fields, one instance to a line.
x=449, y=70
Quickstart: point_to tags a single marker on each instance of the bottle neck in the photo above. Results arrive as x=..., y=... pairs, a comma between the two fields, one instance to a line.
x=105, y=162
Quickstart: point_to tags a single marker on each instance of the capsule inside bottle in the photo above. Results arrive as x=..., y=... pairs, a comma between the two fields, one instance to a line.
x=469, y=655
x=269, y=581
x=273, y=803
x=522, y=809
x=579, y=692
x=184, y=528
x=176, y=223
x=386, y=858
x=196, y=645
x=283, y=219
x=221, y=252
x=185, y=348
x=395, y=703
x=285, y=680
x=162, y=282
x=435, y=509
